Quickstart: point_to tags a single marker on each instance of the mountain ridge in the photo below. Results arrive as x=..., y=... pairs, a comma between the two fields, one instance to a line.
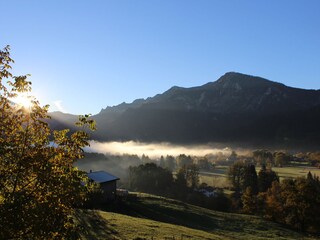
x=229, y=81
x=236, y=107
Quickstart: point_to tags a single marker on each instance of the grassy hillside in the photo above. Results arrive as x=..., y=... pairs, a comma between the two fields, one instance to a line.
x=107, y=225
x=153, y=217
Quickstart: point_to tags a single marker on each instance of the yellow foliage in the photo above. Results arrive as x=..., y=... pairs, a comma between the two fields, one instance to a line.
x=39, y=186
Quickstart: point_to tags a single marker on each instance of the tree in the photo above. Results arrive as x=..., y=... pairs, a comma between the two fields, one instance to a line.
x=250, y=179
x=204, y=164
x=235, y=174
x=249, y=201
x=243, y=175
x=295, y=202
x=180, y=184
x=274, y=203
x=193, y=175
x=145, y=159
x=170, y=162
x=188, y=176
x=314, y=158
x=183, y=159
x=281, y=159
x=38, y=184
x=263, y=157
x=161, y=162
x=301, y=203
x=233, y=156
x=181, y=177
x=150, y=178
x=265, y=178
x=186, y=179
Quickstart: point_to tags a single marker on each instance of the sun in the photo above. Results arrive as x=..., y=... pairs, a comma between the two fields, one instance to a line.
x=23, y=100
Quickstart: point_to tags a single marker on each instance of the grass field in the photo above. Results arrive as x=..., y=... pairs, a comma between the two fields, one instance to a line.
x=152, y=217
x=296, y=171
x=107, y=225
x=218, y=176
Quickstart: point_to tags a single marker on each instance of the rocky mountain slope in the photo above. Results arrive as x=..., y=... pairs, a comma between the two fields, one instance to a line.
x=235, y=108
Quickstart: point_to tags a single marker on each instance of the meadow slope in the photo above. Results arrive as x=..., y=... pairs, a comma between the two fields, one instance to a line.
x=152, y=217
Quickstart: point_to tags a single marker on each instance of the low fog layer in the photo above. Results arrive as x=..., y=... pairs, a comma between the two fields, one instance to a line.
x=154, y=150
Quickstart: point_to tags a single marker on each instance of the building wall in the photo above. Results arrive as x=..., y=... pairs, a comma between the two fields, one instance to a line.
x=109, y=188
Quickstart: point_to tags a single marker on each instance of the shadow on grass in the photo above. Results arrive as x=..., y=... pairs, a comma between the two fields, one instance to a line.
x=93, y=226
x=164, y=210
x=179, y=213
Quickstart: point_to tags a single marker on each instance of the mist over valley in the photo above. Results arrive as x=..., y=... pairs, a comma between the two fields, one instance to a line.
x=160, y=120
x=155, y=150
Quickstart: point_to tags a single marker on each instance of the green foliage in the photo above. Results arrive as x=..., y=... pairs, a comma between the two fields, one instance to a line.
x=263, y=157
x=150, y=178
x=235, y=174
x=204, y=164
x=265, y=178
x=188, y=176
x=181, y=177
x=183, y=159
x=38, y=184
x=250, y=178
x=161, y=162
x=281, y=159
x=170, y=162
x=145, y=159
x=242, y=175
x=192, y=175
x=314, y=158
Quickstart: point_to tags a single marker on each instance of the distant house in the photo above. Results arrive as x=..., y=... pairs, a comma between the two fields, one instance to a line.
x=207, y=191
x=107, y=182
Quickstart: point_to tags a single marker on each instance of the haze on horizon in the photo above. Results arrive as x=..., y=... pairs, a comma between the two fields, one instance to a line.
x=86, y=56
x=156, y=150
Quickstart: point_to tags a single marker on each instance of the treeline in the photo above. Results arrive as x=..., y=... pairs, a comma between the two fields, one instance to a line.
x=184, y=185
x=313, y=158
x=294, y=202
x=174, y=163
x=280, y=159
x=119, y=164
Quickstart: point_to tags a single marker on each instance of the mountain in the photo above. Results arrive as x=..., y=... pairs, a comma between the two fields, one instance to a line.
x=237, y=108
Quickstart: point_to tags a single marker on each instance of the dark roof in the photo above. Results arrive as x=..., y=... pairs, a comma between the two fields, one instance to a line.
x=102, y=176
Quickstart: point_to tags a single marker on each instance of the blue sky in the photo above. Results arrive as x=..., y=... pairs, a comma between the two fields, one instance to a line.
x=86, y=55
